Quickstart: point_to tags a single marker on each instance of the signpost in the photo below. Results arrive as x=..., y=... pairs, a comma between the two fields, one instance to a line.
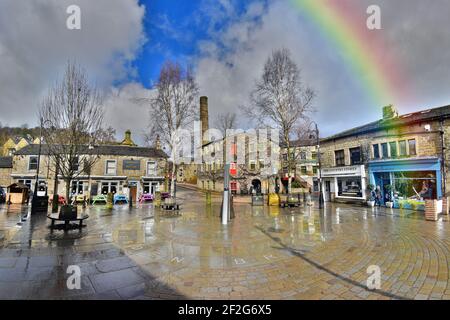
x=226, y=195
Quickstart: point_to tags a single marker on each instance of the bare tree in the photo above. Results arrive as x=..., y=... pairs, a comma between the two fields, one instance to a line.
x=173, y=108
x=280, y=100
x=225, y=121
x=72, y=116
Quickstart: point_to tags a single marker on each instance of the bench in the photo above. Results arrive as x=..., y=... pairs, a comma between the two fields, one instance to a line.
x=55, y=217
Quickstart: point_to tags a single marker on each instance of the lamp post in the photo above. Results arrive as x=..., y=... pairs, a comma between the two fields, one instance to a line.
x=34, y=201
x=320, y=164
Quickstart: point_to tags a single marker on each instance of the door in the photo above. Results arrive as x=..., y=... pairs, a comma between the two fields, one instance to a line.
x=327, y=190
x=382, y=180
x=133, y=192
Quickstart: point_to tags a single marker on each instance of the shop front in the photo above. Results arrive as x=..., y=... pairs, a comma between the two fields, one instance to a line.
x=347, y=184
x=407, y=182
x=151, y=185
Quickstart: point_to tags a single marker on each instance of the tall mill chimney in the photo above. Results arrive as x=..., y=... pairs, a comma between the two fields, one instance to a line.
x=204, y=118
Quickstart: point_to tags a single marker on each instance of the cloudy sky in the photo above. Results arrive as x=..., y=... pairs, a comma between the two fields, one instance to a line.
x=122, y=44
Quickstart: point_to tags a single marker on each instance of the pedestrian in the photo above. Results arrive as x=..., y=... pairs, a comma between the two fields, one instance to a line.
x=378, y=196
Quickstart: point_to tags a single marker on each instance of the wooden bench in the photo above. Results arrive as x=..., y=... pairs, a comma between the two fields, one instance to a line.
x=55, y=217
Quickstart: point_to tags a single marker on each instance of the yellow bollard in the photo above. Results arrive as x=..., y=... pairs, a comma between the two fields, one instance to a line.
x=274, y=199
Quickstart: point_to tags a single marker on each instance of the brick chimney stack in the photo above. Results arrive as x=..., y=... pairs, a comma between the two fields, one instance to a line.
x=158, y=143
x=204, y=118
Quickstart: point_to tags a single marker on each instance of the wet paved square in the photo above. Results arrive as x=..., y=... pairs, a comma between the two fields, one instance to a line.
x=265, y=253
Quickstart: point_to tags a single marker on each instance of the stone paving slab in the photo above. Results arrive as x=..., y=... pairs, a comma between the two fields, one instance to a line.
x=264, y=253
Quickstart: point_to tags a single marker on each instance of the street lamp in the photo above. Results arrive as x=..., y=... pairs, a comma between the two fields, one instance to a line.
x=34, y=202
x=320, y=164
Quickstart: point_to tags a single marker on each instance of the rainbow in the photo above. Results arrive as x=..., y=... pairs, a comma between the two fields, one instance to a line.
x=344, y=25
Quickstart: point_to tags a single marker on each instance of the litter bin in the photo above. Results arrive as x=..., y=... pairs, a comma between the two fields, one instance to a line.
x=39, y=204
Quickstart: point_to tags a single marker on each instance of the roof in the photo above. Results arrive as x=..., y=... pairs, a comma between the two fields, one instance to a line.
x=6, y=162
x=301, y=143
x=110, y=150
x=406, y=119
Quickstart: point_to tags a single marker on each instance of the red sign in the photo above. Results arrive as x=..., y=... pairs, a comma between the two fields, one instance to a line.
x=233, y=169
x=233, y=149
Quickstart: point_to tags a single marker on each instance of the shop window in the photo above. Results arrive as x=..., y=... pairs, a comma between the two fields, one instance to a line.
x=26, y=182
x=355, y=156
x=349, y=187
x=376, y=151
x=393, y=147
x=384, y=149
x=402, y=148
x=417, y=185
x=77, y=187
x=111, y=167
x=340, y=158
x=109, y=187
x=33, y=163
x=412, y=147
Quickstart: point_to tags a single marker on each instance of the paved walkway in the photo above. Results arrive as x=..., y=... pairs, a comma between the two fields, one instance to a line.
x=265, y=253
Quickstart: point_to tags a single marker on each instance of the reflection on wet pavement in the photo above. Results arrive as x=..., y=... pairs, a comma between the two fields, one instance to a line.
x=265, y=253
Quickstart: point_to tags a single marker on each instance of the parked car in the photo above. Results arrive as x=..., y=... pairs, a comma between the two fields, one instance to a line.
x=2, y=195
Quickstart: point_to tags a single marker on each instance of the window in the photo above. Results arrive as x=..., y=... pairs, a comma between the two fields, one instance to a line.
x=261, y=164
x=303, y=155
x=314, y=170
x=252, y=165
x=111, y=167
x=77, y=187
x=393, y=147
x=303, y=170
x=384, y=149
x=33, y=163
x=340, y=157
x=355, y=155
x=376, y=151
x=109, y=187
x=26, y=182
x=402, y=145
x=151, y=168
x=314, y=155
x=412, y=147
x=74, y=164
x=285, y=157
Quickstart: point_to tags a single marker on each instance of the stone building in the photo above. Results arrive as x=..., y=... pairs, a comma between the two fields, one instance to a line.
x=407, y=153
x=252, y=172
x=119, y=168
x=6, y=165
x=16, y=143
x=305, y=171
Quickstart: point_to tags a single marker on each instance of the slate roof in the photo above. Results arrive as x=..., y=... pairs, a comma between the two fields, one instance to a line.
x=402, y=120
x=6, y=162
x=111, y=150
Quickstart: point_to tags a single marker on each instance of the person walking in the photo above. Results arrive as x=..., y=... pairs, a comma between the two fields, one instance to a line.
x=378, y=196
